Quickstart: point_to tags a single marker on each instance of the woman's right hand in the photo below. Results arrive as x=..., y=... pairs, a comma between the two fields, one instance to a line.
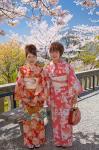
x=74, y=100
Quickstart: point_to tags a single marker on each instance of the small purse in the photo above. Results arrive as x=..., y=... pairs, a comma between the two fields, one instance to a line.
x=74, y=115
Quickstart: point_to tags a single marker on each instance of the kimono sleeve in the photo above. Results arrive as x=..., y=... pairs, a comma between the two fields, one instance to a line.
x=74, y=86
x=19, y=88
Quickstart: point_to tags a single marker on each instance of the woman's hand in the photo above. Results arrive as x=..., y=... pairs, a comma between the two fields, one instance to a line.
x=74, y=100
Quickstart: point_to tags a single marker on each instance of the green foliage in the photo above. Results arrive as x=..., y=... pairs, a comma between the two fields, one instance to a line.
x=89, y=55
x=97, y=37
x=11, y=57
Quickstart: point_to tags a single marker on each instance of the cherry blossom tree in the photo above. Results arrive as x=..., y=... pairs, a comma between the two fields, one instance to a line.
x=12, y=11
x=91, y=6
x=42, y=35
x=31, y=9
x=86, y=33
x=78, y=37
x=2, y=32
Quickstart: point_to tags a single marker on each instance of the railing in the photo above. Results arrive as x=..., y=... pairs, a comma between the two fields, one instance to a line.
x=7, y=91
x=88, y=79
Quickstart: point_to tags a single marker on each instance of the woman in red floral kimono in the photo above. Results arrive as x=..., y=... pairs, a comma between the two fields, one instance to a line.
x=64, y=88
x=30, y=90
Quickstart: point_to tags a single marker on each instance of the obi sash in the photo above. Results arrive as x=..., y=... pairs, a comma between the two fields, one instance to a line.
x=30, y=83
x=59, y=81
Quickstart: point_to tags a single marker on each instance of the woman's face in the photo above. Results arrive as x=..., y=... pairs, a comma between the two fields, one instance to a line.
x=55, y=55
x=31, y=58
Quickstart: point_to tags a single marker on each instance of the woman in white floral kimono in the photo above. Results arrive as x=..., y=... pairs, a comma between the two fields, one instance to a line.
x=64, y=88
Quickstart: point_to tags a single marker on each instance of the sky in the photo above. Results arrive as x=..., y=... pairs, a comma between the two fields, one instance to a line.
x=79, y=17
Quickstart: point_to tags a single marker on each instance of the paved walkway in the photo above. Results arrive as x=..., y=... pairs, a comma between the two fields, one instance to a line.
x=86, y=133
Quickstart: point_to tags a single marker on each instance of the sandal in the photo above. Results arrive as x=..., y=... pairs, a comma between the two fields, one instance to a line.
x=30, y=146
x=37, y=146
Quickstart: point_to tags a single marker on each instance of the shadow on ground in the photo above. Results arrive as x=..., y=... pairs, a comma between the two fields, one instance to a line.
x=86, y=135
x=11, y=139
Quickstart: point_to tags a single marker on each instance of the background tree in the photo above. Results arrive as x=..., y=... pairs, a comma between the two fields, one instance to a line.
x=12, y=11
x=91, y=6
x=11, y=57
x=42, y=35
x=90, y=55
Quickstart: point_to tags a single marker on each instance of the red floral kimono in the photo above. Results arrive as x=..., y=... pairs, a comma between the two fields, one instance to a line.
x=30, y=90
x=63, y=86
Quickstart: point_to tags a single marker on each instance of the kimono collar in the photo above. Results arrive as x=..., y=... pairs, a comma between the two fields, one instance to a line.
x=59, y=62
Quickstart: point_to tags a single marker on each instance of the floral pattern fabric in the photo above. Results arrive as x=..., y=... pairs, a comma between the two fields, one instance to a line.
x=63, y=86
x=32, y=96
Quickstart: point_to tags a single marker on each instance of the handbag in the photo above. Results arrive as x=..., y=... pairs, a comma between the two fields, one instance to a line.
x=74, y=115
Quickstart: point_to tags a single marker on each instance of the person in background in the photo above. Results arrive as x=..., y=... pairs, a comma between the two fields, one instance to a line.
x=64, y=89
x=31, y=92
